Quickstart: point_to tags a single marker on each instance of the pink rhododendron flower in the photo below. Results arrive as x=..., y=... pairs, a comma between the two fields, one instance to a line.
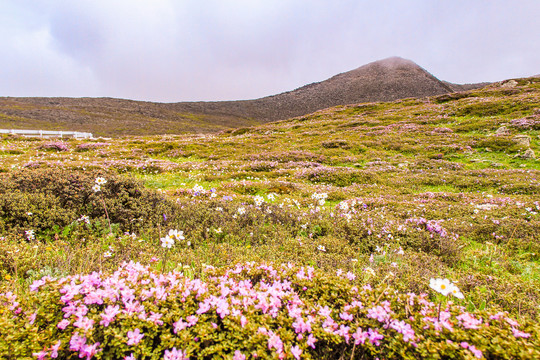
x=296, y=352
x=63, y=324
x=55, y=348
x=360, y=336
x=519, y=334
x=239, y=356
x=134, y=337
x=174, y=354
x=77, y=342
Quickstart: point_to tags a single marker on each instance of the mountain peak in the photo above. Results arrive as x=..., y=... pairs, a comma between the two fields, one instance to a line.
x=394, y=61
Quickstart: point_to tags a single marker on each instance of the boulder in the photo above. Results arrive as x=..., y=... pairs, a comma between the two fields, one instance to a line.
x=503, y=130
x=509, y=84
x=528, y=154
x=523, y=140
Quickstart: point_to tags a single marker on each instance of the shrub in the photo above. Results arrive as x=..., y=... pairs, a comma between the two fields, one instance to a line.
x=247, y=311
x=57, y=197
x=54, y=146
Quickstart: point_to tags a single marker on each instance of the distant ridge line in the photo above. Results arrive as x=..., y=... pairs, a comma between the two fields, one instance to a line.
x=389, y=79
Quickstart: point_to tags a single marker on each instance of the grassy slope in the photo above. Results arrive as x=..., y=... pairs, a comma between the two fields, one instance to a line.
x=434, y=158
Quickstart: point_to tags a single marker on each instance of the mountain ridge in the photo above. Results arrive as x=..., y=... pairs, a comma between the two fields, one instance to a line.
x=388, y=79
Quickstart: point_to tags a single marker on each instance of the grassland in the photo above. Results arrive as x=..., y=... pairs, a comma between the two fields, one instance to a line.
x=392, y=194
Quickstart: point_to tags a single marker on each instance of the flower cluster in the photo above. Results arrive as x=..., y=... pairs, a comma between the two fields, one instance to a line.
x=97, y=186
x=320, y=198
x=445, y=287
x=168, y=240
x=250, y=310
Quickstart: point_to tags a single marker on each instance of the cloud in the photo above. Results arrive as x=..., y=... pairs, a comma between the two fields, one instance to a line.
x=167, y=50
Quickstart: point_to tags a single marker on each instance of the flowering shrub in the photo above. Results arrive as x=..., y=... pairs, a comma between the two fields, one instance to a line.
x=55, y=146
x=246, y=311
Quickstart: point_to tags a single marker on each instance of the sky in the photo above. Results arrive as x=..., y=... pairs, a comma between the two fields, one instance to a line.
x=191, y=50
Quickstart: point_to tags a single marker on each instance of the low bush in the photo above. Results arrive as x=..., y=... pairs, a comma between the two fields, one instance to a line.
x=247, y=311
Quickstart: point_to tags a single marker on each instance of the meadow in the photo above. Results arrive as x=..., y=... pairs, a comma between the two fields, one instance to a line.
x=391, y=230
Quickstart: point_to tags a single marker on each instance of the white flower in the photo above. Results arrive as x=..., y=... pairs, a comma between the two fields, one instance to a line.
x=218, y=231
x=107, y=254
x=30, y=234
x=96, y=188
x=271, y=196
x=100, y=181
x=456, y=292
x=213, y=195
x=29, y=213
x=198, y=189
x=442, y=286
x=321, y=202
x=344, y=206
x=258, y=200
x=167, y=242
x=84, y=219
x=241, y=211
x=175, y=234
x=321, y=248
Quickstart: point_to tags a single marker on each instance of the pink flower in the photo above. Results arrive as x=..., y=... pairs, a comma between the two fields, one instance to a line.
x=134, y=337
x=239, y=356
x=374, y=336
x=54, y=349
x=359, y=336
x=40, y=355
x=32, y=318
x=84, y=323
x=378, y=313
x=155, y=318
x=130, y=357
x=519, y=334
x=203, y=307
x=346, y=316
x=179, y=326
x=311, y=341
x=109, y=315
x=63, y=324
x=192, y=320
x=468, y=321
x=325, y=311
x=175, y=354
x=77, y=342
x=89, y=351
x=274, y=341
x=296, y=351
x=243, y=321
x=475, y=351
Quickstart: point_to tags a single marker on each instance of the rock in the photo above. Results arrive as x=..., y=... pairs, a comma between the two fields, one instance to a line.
x=509, y=84
x=528, y=154
x=503, y=130
x=523, y=140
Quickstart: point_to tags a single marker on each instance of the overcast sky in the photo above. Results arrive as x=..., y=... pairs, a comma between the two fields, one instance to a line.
x=167, y=50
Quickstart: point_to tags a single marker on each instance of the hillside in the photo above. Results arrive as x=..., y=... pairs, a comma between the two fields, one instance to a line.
x=325, y=236
x=384, y=80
